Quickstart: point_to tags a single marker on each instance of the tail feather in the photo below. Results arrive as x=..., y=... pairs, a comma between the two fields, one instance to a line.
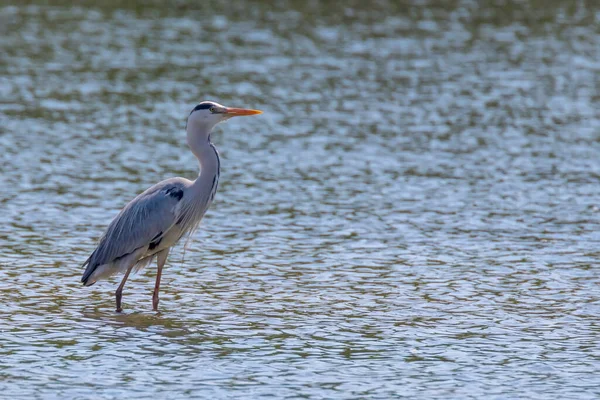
x=88, y=271
x=96, y=271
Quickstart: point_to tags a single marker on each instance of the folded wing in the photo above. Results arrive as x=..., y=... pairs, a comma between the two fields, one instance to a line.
x=139, y=226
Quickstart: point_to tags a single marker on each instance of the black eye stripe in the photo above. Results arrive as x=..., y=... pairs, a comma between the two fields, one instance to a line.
x=203, y=106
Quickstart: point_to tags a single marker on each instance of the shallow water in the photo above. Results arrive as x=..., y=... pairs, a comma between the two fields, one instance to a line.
x=415, y=214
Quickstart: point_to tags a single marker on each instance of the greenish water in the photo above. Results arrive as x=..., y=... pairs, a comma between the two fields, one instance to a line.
x=415, y=215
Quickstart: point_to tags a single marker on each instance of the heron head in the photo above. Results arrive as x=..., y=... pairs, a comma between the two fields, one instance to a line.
x=208, y=114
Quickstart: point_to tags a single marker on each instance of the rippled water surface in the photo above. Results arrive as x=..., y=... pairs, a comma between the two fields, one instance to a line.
x=415, y=214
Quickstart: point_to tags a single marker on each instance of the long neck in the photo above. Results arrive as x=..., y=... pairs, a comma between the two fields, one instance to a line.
x=203, y=189
x=210, y=164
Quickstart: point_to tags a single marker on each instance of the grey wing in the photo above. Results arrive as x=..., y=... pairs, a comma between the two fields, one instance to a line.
x=143, y=222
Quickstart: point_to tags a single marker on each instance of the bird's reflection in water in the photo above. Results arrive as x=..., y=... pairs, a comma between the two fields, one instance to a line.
x=160, y=323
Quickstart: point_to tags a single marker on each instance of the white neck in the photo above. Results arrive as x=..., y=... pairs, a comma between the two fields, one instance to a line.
x=198, y=138
x=203, y=189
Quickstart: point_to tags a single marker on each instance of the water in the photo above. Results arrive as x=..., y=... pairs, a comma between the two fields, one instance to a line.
x=415, y=214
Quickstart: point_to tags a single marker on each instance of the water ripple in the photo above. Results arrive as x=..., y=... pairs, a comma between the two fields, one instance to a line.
x=415, y=214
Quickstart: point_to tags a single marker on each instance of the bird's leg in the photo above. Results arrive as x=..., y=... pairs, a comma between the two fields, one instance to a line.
x=119, y=292
x=161, y=258
x=156, y=288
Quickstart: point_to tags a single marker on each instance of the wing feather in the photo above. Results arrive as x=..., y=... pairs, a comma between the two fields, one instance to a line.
x=145, y=220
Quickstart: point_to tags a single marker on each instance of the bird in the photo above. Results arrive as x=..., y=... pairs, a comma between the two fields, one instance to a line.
x=154, y=221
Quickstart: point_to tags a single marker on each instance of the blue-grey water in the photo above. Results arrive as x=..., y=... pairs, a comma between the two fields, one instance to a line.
x=416, y=214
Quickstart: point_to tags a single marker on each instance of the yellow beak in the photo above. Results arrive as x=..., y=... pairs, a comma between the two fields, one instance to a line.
x=238, y=112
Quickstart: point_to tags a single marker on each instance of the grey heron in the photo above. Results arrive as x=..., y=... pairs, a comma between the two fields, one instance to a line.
x=159, y=217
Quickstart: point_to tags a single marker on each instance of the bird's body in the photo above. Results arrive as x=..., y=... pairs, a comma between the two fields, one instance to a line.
x=132, y=234
x=160, y=216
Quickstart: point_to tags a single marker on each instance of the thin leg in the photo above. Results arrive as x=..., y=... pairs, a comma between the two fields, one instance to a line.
x=119, y=292
x=161, y=258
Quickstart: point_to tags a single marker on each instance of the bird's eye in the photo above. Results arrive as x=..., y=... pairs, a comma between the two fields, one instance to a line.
x=212, y=110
